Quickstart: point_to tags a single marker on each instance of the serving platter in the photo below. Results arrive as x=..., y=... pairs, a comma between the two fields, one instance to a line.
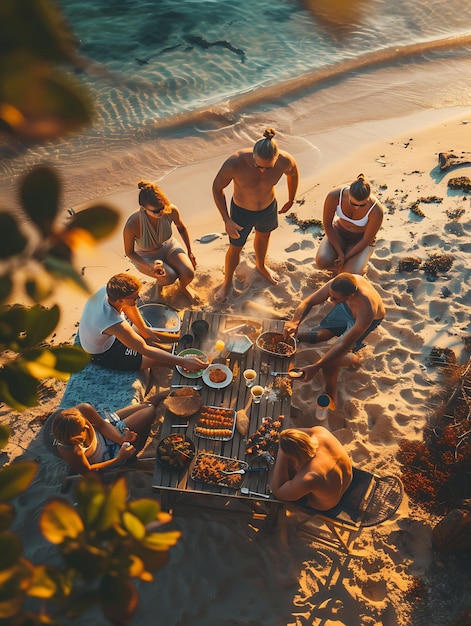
x=215, y=422
x=209, y=468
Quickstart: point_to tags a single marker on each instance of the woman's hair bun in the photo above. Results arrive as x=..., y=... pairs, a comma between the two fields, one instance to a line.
x=143, y=184
x=361, y=177
x=269, y=133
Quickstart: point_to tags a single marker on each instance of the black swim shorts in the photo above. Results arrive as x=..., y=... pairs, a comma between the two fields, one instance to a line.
x=119, y=357
x=264, y=221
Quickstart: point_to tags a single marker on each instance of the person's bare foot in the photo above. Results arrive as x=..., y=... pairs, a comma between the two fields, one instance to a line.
x=351, y=360
x=222, y=293
x=192, y=297
x=272, y=277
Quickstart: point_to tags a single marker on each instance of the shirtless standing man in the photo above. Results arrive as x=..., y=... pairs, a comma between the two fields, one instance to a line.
x=254, y=173
x=358, y=310
x=311, y=466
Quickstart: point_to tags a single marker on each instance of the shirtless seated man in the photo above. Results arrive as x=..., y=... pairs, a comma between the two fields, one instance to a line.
x=254, y=173
x=357, y=312
x=312, y=468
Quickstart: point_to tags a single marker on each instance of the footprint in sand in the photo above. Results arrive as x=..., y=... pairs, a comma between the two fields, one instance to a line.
x=384, y=265
x=437, y=309
x=360, y=453
x=375, y=590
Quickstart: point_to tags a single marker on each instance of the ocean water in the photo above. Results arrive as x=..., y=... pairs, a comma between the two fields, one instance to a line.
x=160, y=68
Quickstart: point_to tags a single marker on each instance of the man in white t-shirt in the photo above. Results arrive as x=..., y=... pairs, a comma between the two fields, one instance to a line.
x=106, y=330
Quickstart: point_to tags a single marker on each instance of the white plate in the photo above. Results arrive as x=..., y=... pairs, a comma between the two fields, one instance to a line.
x=215, y=366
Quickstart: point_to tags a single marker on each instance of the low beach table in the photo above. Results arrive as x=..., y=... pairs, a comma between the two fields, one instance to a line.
x=176, y=487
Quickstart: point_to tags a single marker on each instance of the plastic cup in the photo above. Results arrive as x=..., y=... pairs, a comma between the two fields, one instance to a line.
x=249, y=377
x=323, y=404
x=257, y=392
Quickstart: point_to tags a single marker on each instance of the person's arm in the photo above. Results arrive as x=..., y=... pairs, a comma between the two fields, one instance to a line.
x=223, y=178
x=153, y=336
x=130, y=232
x=284, y=487
x=128, y=336
x=330, y=206
x=292, y=179
x=318, y=297
x=342, y=345
x=102, y=426
x=374, y=224
x=183, y=230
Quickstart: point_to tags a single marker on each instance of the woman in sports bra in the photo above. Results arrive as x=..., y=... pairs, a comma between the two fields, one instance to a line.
x=88, y=441
x=351, y=221
x=148, y=238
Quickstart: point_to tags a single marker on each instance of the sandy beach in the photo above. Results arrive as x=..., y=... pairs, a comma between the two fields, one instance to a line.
x=224, y=572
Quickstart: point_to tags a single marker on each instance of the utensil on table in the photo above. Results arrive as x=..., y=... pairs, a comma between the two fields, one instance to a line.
x=246, y=492
x=195, y=387
x=294, y=373
x=245, y=471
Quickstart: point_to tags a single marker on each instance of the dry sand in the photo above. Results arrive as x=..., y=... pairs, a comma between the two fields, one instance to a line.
x=225, y=572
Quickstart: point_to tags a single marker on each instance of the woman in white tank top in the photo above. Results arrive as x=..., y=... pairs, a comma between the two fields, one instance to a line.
x=351, y=221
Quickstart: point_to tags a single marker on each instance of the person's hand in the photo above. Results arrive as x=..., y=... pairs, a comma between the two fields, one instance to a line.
x=310, y=371
x=129, y=435
x=290, y=329
x=192, y=258
x=286, y=207
x=125, y=452
x=193, y=364
x=340, y=260
x=232, y=229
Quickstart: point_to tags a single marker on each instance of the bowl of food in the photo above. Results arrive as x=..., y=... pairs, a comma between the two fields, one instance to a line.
x=175, y=451
x=183, y=402
x=276, y=344
x=217, y=376
x=189, y=352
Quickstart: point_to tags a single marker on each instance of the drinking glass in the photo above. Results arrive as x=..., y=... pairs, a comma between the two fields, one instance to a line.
x=257, y=392
x=249, y=377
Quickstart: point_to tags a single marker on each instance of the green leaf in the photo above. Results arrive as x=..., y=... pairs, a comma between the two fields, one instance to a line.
x=59, y=521
x=6, y=285
x=14, y=479
x=12, y=240
x=39, y=193
x=5, y=433
x=7, y=515
x=57, y=362
x=39, y=286
x=113, y=506
x=17, y=389
x=45, y=32
x=11, y=550
x=161, y=541
x=69, y=358
x=98, y=220
x=24, y=327
x=133, y=525
x=59, y=268
x=42, y=585
x=145, y=509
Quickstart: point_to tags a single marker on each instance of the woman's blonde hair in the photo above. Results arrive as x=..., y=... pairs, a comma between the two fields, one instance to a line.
x=68, y=426
x=298, y=445
x=153, y=195
x=266, y=147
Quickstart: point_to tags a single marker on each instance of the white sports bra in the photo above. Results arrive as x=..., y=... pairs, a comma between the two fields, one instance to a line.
x=361, y=222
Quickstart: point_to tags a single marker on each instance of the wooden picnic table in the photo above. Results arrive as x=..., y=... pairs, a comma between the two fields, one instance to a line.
x=176, y=486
